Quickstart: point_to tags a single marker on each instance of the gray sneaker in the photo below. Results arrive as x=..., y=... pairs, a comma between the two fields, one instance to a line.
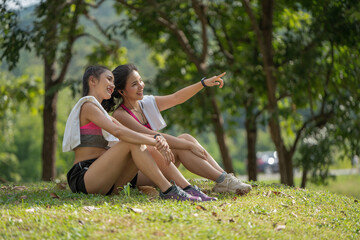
x=232, y=184
x=179, y=194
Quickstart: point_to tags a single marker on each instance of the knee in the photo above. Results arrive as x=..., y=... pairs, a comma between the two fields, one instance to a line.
x=187, y=137
x=136, y=147
x=122, y=146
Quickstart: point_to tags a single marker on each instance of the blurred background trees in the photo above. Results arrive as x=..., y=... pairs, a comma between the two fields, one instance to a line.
x=292, y=82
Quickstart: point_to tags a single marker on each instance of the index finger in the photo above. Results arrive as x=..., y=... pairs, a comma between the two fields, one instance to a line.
x=221, y=75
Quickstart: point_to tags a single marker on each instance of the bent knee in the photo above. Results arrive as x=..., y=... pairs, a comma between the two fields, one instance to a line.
x=186, y=136
x=125, y=146
x=134, y=146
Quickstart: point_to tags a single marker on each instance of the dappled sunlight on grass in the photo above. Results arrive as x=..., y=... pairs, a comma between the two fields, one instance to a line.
x=343, y=184
x=46, y=210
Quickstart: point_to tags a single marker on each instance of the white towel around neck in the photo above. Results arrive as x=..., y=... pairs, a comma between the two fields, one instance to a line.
x=152, y=113
x=72, y=130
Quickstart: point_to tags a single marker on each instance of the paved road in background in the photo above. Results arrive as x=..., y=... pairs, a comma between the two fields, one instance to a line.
x=276, y=176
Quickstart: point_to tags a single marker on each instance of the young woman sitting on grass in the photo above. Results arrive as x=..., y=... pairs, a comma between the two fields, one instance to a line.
x=101, y=169
x=142, y=114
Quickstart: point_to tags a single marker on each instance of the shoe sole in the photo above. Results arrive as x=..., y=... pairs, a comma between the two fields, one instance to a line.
x=237, y=191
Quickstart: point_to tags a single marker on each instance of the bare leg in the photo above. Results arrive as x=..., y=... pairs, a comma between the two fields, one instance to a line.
x=169, y=171
x=208, y=168
x=107, y=169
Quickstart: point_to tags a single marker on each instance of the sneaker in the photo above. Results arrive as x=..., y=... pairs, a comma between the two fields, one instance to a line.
x=196, y=192
x=232, y=184
x=179, y=194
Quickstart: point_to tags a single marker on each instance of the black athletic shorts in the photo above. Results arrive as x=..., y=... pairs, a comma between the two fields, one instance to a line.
x=76, y=174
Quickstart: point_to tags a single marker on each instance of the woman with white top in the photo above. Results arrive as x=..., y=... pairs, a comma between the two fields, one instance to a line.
x=142, y=114
x=90, y=131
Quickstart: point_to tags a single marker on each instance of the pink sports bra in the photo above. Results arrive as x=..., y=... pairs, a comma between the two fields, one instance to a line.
x=133, y=115
x=91, y=136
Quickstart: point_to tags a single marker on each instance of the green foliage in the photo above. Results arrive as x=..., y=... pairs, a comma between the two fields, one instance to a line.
x=22, y=96
x=13, y=38
x=15, y=92
x=326, y=50
x=27, y=145
x=312, y=43
x=100, y=55
x=18, y=91
x=316, y=49
x=9, y=166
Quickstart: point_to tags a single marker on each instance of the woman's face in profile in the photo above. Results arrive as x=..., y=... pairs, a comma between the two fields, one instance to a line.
x=105, y=84
x=134, y=86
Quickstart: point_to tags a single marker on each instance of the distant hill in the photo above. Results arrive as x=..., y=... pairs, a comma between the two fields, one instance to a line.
x=137, y=52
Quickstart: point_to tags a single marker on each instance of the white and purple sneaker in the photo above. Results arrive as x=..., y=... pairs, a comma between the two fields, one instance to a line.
x=177, y=193
x=196, y=192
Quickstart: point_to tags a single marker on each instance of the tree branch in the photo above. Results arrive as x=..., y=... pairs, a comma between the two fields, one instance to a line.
x=91, y=37
x=180, y=35
x=166, y=22
x=132, y=7
x=226, y=53
x=200, y=12
x=101, y=29
x=258, y=33
x=95, y=5
x=307, y=48
x=319, y=119
x=328, y=75
x=70, y=42
x=310, y=97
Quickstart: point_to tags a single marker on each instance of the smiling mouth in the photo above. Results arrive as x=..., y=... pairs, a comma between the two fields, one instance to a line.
x=110, y=90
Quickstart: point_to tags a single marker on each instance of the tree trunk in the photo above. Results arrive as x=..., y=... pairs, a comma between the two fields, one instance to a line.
x=267, y=7
x=49, y=124
x=269, y=67
x=49, y=138
x=220, y=136
x=289, y=167
x=251, y=131
x=201, y=64
x=52, y=40
x=304, y=177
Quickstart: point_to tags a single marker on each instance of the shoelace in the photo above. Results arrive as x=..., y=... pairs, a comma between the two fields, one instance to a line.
x=178, y=190
x=197, y=189
x=181, y=192
x=235, y=178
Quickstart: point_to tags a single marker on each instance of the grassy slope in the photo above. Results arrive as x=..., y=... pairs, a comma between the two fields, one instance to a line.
x=347, y=185
x=305, y=214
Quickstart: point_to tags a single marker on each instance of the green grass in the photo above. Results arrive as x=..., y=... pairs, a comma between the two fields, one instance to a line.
x=348, y=185
x=268, y=212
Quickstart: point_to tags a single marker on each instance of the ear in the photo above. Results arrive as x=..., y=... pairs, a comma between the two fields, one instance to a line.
x=92, y=80
x=121, y=92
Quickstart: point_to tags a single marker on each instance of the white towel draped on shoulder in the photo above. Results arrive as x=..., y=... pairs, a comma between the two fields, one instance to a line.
x=152, y=113
x=72, y=130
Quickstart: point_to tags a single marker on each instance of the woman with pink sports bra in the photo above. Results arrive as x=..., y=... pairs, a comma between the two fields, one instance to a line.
x=142, y=114
x=108, y=155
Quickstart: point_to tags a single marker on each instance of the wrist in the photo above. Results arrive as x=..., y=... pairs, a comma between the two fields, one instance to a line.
x=202, y=82
x=157, y=135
